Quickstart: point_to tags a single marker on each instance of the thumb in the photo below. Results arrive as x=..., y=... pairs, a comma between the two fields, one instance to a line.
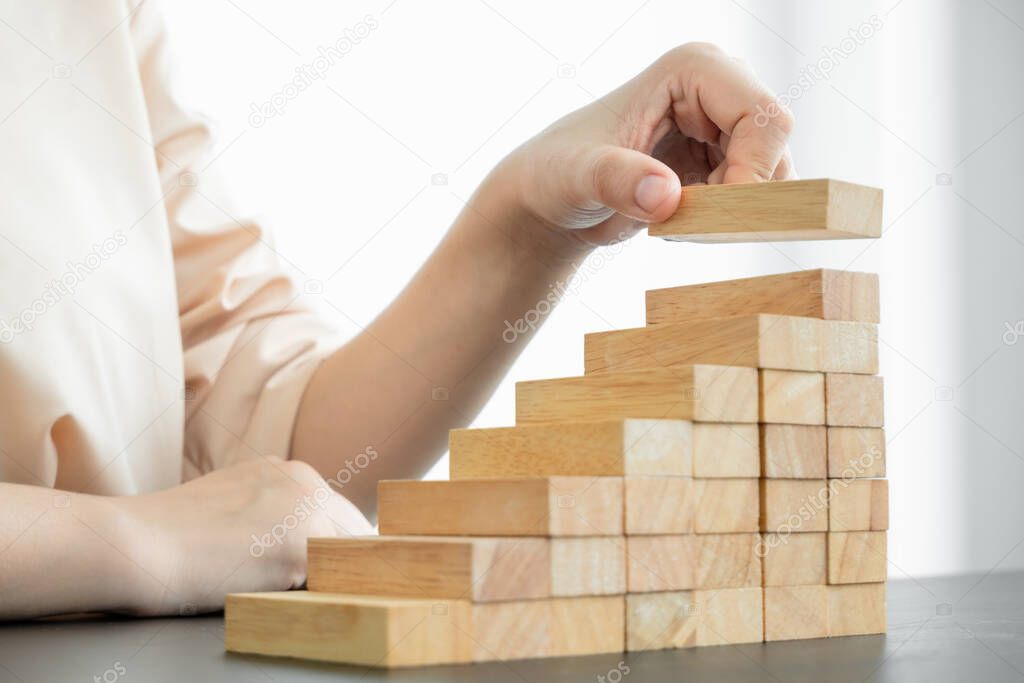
x=631, y=183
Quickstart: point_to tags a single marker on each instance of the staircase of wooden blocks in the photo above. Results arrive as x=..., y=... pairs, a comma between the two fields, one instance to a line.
x=714, y=478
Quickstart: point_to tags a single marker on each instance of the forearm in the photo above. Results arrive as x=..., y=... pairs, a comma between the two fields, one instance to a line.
x=432, y=359
x=62, y=553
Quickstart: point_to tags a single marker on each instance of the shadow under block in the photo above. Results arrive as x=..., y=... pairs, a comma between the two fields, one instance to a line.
x=775, y=211
x=788, y=397
x=682, y=505
x=611, y=448
x=854, y=400
x=795, y=612
x=692, y=561
x=856, y=452
x=677, y=619
x=794, y=505
x=398, y=632
x=793, y=451
x=476, y=569
x=551, y=506
x=859, y=505
x=349, y=629
x=856, y=609
x=778, y=342
x=857, y=557
x=705, y=393
x=823, y=294
x=794, y=559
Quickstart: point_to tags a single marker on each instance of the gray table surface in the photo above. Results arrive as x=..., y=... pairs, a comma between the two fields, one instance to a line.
x=964, y=628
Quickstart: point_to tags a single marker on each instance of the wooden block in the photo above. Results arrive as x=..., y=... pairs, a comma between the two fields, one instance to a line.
x=561, y=627
x=681, y=505
x=788, y=397
x=661, y=563
x=775, y=211
x=350, y=629
x=588, y=565
x=859, y=505
x=778, y=342
x=794, y=505
x=550, y=506
x=725, y=450
x=612, y=448
x=856, y=609
x=793, y=559
x=692, y=561
x=856, y=452
x=477, y=569
x=706, y=393
x=728, y=561
x=676, y=619
x=856, y=556
x=795, y=612
x=823, y=294
x=793, y=451
x=853, y=400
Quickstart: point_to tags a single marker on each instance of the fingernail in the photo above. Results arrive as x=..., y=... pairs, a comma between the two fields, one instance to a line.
x=650, y=192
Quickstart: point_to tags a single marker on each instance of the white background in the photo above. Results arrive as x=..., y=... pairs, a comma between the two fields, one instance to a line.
x=343, y=176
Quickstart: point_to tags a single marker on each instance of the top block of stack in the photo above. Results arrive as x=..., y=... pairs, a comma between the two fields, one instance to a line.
x=777, y=211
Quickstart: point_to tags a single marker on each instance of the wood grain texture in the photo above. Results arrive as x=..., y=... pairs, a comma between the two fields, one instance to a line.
x=588, y=565
x=788, y=397
x=856, y=452
x=560, y=627
x=857, y=557
x=477, y=569
x=610, y=448
x=706, y=393
x=549, y=506
x=795, y=612
x=402, y=632
x=682, y=505
x=854, y=400
x=725, y=450
x=692, y=561
x=859, y=505
x=793, y=451
x=823, y=294
x=794, y=559
x=794, y=505
x=775, y=211
x=678, y=619
x=349, y=629
x=856, y=609
x=777, y=342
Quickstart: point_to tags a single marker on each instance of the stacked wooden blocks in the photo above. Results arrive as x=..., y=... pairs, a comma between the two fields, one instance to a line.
x=713, y=478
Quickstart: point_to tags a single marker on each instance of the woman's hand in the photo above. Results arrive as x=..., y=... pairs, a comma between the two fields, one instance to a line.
x=242, y=528
x=694, y=116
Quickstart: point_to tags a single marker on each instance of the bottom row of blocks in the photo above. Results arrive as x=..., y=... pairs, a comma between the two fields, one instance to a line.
x=392, y=632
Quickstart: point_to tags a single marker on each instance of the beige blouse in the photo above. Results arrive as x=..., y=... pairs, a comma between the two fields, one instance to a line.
x=147, y=331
